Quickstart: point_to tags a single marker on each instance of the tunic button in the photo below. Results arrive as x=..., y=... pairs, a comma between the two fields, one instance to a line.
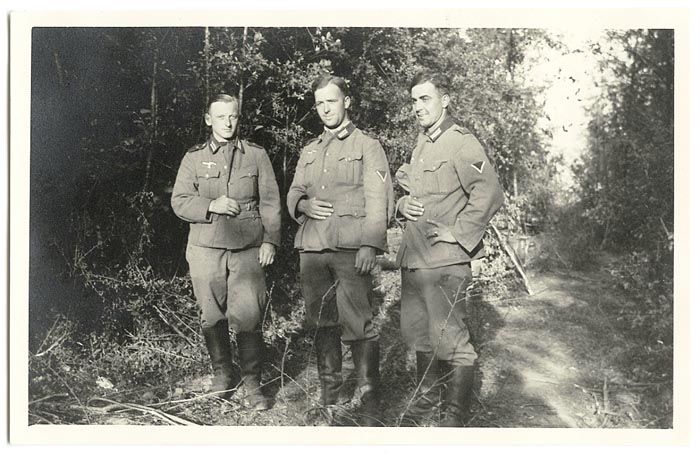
x=421, y=160
x=207, y=175
x=323, y=187
x=325, y=170
x=224, y=167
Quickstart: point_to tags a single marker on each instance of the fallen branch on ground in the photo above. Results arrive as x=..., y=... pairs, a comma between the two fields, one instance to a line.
x=513, y=257
x=118, y=406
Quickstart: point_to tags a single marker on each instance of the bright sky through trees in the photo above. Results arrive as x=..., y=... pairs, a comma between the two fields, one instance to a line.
x=571, y=77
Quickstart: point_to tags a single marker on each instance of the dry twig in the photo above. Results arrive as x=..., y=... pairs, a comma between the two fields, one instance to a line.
x=118, y=406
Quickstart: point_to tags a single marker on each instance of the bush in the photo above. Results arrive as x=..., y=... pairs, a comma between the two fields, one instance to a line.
x=648, y=277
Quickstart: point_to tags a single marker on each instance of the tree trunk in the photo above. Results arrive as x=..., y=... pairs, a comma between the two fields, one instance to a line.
x=240, y=87
x=154, y=123
x=207, y=63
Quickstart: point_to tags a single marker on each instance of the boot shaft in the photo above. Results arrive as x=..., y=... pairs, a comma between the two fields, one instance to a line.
x=428, y=372
x=429, y=385
x=329, y=362
x=460, y=380
x=250, y=353
x=251, y=350
x=218, y=343
x=365, y=356
x=218, y=346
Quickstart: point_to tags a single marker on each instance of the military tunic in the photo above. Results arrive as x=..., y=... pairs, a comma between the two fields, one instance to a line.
x=348, y=169
x=451, y=175
x=222, y=250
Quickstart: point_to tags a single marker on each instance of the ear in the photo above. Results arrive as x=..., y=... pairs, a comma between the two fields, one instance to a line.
x=207, y=119
x=445, y=100
x=346, y=102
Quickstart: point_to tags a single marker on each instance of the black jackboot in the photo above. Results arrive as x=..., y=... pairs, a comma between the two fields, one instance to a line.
x=365, y=356
x=457, y=397
x=219, y=348
x=329, y=361
x=250, y=354
x=428, y=379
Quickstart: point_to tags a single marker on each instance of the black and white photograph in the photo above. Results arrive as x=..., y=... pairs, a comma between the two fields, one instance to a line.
x=409, y=222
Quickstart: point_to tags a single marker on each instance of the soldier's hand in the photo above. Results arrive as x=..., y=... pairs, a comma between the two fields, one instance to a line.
x=315, y=208
x=411, y=208
x=266, y=254
x=365, y=260
x=225, y=205
x=441, y=232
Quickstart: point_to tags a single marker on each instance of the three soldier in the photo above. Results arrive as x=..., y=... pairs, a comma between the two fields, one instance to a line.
x=342, y=199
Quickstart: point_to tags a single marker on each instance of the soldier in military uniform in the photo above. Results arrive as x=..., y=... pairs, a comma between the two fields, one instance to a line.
x=226, y=189
x=453, y=191
x=342, y=197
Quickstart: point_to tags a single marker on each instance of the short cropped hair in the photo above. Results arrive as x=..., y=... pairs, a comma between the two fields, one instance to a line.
x=439, y=80
x=226, y=98
x=326, y=79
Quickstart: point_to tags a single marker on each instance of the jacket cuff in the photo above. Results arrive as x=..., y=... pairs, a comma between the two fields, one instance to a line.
x=272, y=238
x=397, y=214
x=293, y=203
x=374, y=238
x=468, y=237
x=200, y=210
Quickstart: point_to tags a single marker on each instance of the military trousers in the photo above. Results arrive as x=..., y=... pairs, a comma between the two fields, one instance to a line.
x=335, y=294
x=434, y=312
x=228, y=285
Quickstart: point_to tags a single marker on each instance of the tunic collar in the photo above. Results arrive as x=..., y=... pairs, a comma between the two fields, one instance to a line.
x=446, y=123
x=216, y=145
x=343, y=132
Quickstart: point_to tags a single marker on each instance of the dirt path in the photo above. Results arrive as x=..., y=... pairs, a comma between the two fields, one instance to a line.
x=558, y=359
x=549, y=360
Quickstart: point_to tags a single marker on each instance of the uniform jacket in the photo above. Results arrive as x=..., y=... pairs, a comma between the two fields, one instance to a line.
x=348, y=169
x=451, y=175
x=240, y=170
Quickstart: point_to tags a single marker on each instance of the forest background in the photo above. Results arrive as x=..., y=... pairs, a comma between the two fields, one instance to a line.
x=114, y=110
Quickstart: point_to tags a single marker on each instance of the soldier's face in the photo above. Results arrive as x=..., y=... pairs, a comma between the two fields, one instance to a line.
x=223, y=119
x=331, y=105
x=428, y=103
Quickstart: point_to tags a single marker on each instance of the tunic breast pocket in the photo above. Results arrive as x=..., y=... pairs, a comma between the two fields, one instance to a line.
x=207, y=180
x=307, y=168
x=350, y=168
x=439, y=177
x=244, y=183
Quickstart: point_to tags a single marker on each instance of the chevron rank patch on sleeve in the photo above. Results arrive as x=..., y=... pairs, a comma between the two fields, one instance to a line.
x=382, y=175
x=478, y=166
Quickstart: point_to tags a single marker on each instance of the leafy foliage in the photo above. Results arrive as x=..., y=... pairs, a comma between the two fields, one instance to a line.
x=626, y=177
x=626, y=184
x=114, y=110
